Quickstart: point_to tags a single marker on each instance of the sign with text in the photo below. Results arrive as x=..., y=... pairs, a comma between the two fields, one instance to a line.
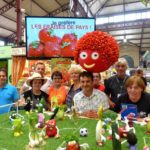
x=54, y=37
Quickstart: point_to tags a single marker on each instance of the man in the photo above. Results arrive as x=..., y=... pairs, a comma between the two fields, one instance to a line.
x=8, y=93
x=87, y=101
x=39, y=68
x=139, y=72
x=115, y=85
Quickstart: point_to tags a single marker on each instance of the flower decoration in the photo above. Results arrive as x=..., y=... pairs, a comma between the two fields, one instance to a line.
x=96, y=51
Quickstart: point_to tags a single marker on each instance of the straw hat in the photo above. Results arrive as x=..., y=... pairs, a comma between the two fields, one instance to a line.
x=35, y=76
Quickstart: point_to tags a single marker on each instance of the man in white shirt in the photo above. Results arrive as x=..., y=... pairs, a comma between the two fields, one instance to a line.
x=87, y=101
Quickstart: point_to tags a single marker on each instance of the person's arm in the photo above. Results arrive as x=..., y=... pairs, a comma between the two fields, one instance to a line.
x=118, y=105
x=48, y=105
x=108, y=92
x=24, y=88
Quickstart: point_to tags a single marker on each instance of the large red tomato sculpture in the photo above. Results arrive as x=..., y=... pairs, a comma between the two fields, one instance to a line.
x=96, y=51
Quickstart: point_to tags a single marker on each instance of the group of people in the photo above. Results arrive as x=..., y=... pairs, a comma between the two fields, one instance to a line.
x=85, y=94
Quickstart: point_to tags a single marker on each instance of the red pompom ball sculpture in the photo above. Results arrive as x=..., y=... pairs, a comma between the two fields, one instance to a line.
x=96, y=51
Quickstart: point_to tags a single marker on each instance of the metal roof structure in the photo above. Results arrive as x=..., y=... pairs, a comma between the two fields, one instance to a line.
x=136, y=32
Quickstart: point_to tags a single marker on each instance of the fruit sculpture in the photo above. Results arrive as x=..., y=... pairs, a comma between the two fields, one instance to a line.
x=51, y=129
x=96, y=51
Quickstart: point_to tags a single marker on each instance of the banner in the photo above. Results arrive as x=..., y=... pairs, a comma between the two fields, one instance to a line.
x=54, y=37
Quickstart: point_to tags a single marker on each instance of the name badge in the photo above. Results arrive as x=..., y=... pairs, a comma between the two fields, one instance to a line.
x=118, y=95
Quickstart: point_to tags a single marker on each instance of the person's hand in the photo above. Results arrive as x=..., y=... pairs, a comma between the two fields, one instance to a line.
x=89, y=114
x=20, y=102
x=111, y=104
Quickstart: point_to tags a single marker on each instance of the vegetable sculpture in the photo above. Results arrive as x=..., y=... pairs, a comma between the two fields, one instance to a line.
x=99, y=128
x=17, y=126
x=35, y=135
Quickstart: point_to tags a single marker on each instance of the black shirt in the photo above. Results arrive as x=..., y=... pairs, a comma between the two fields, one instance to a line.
x=114, y=86
x=143, y=105
x=32, y=99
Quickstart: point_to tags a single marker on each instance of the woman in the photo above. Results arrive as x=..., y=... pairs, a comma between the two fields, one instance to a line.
x=35, y=96
x=74, y=71
x=135, y=95
x=57, y=92
x=97, y=82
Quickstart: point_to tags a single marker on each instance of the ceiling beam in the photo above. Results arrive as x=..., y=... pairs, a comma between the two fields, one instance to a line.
x=7, y=28
x=120, y=26
x=126, y=22
x=39, y=6
x=141, y=36
x=121, y=13
x=7, y=7
x=53, y=13
x=126, y=3
x=58, y=3
x=101, y=8
x=130, y=34
x=9, y=18
x=58, y=10
x=142, y=42
x=88, y=9
x=14, y=5
x=81, y=10
x=144, y=38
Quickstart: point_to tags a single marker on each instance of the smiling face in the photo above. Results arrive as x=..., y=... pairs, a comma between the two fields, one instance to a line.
x=134, y=92
x=135, y=87
x=86, y=84
x=36, y=84
x=74, y=76
x=121, y=69
x=90, y=60
x=3, y=78
x=57, y=81
x=40, y=68
x=96, y=51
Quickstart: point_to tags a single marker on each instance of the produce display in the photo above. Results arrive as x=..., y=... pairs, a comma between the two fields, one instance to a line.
x=76, y=131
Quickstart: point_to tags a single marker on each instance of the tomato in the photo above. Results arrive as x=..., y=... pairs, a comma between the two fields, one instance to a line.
x=67, y=51
x=72, y=145
x=47, y=35
x=69, y=38
x=51, y=49
x=68, y=43
x=35, y=49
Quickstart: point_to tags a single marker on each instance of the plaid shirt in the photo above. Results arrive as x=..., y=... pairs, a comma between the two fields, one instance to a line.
x=70, y=95
x=83, y=103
